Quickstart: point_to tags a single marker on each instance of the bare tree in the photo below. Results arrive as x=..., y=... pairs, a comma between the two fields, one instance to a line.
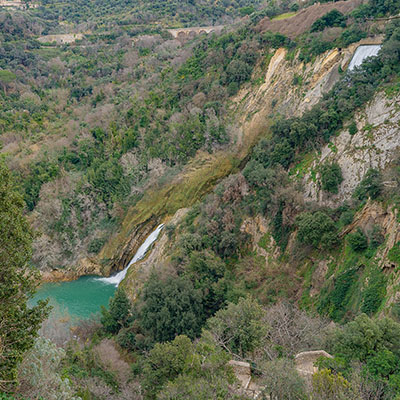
x=364, y=388
x=293, y=330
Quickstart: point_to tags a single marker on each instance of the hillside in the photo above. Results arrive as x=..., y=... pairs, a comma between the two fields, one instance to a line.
x=273, y=167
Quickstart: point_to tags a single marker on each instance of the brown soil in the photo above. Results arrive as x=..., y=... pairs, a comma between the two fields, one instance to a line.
x=303, y=20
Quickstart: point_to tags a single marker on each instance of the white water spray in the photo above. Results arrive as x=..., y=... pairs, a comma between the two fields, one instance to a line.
x=362, y=53
x=117, y=278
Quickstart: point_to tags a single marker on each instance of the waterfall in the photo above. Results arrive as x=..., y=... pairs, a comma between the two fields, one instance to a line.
x=117, y=278
x=362, y=53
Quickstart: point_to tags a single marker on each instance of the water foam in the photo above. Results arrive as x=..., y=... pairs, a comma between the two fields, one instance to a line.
x=117, y=278
x=362, y=53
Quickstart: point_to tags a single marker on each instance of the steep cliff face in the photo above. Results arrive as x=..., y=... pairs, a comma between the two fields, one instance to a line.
x=288, y=87
x=375, y=145
x=160, y=204
x=251, y=110
x=312, y=278
x=156, y=260
x=279, y=95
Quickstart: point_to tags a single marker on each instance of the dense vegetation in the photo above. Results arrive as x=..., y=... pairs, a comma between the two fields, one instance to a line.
x=210, y=248
x=188, y=13
x=18, y=322
x=213, y=268
x=88, y=128
x=103, y=120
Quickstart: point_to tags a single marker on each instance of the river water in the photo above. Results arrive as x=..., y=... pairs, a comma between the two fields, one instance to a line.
x=83, y=297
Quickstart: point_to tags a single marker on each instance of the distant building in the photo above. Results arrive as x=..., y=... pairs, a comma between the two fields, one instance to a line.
x=17, y=4
x=61, y=39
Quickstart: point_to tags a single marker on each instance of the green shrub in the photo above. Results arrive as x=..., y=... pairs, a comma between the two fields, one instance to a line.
x=108, y=179
x=96, y=244
x=334, y=302
x=346, y=218
x=375, y=292
x=238, y=71
x=394, y=254
x=282, y=153
x=366, y=337
x=351, y=35
x=233, y=88
x=331, y=177
x=276, y=40
x=370, y=186
x=315, y=229
x=383, y=364
x=297, y=80
x=376, y=237
x=164, y=363
x=4, y=396
x=171, y=307
x=357, y=240
x=246, y=10
x=280, y=231
x=239, y=327
x=170, y=230
x=332, y=18
x=41, y=172
x=118, y=313
x=353, y=128
x=126, y=338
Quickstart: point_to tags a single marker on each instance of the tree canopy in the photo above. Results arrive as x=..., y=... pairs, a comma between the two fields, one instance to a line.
x=18, y=322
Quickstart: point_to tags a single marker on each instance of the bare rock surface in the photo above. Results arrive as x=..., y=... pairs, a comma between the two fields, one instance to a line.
x=305, y=361
x=373, y=146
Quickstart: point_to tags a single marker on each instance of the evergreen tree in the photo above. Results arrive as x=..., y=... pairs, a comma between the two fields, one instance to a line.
x=118, y=314
x=170, y=308
x=18, y=323
x=331, y=177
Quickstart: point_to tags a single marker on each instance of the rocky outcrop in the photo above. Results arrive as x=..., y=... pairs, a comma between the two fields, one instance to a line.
x=373, y=214
x=387, y=219
x=263, y=242
x=242, y=371
x=278, y=95
x=305, y=361
x=375, y=145
x=122, y=258
x=86, y=266
x=319, y=277
x=156, y=258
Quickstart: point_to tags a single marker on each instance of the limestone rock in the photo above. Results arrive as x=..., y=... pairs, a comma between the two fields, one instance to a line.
x=156, y=258
x=373, y=146
x=242, y=372
x=305, y=361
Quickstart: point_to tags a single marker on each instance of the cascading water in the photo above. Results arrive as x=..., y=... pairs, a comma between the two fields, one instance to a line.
x=117, y=278
x=362, y=53
x=83, y=297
